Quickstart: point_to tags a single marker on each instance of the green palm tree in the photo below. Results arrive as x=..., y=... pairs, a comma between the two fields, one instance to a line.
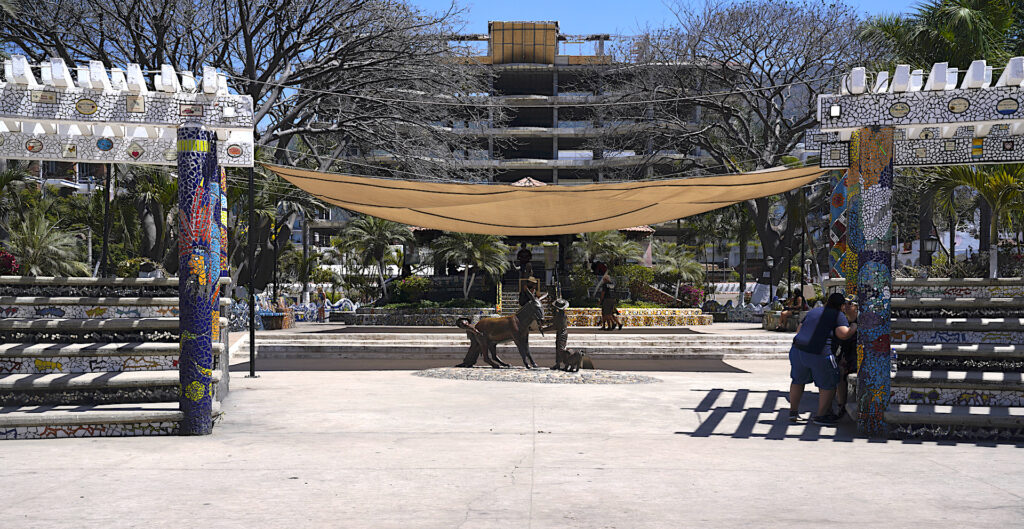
x=1001, y=186
x=477, y=252
x=611, y=246
x=675, y=262
x=43, y=248
x=373, y=237
x=953, y=31
x=10, y=181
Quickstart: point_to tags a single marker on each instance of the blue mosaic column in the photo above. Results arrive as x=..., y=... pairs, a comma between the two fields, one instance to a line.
x=217, y=243
x=871, y=236
x=197, y=168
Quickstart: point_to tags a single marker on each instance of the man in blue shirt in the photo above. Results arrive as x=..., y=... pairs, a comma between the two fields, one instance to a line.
x=811, y=359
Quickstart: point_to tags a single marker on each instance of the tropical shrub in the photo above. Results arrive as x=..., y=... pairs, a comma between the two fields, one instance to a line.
x=8, y=264
x=411, y=288
x=690, y=296
x=636, y=276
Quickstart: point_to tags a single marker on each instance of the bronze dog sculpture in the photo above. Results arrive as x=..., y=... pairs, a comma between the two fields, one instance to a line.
x=487, y=333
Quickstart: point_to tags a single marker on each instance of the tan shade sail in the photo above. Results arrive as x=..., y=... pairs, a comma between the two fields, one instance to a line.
x=542, y=210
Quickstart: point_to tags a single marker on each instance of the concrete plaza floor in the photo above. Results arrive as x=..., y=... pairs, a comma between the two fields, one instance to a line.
x=389, y=449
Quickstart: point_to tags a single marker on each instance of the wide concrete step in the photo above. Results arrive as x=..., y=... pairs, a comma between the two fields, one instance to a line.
x=97, y=301
x=103, y=420
x=92, y=388
x=1011, y=417
x=959, y=324
x=91, y=325
x=581, y=341
x=460, y=336
x=961, y=350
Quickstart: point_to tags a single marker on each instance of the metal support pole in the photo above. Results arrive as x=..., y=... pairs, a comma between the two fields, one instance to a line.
x=803, y=240
x=197, y=168
x=871, y=237
x=252, y=274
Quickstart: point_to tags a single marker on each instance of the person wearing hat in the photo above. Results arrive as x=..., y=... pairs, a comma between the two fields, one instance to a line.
x=811, y=358
x=560, y=324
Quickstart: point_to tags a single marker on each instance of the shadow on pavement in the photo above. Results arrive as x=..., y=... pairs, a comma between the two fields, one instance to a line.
x=719, y=409
x=709, y=365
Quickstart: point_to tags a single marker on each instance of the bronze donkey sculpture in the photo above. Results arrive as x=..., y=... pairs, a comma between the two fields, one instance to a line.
x=487, y=333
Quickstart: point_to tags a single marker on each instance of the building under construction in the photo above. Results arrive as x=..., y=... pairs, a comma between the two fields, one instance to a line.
x=558, y=129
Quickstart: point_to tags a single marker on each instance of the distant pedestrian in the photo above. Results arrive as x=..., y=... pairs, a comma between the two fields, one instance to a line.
x=321, y=305
x=609, y=305
x=811, y=359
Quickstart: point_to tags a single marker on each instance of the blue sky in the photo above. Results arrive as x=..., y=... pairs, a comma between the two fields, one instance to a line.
x=600, y=16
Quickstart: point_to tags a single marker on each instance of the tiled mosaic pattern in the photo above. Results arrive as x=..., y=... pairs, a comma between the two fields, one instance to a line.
x=837, y=225
x=197, y=168
x=941, y=336
x=90, y=430
x=85, y=396
x=957, y=397
x=960, y=290
x=117, y=103
x=236, y=152
x=591, y=317
x=870, y=238
x=113, y=117
x=85, y=311
x=920, y=108
x=86, y=364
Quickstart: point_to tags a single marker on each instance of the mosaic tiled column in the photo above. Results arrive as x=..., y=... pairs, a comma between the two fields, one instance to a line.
x=225, y=269
x=870, y=237
x=217, y=243
x=197, y=169
x=837, y=225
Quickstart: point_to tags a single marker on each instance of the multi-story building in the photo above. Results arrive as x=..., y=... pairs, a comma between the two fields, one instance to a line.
x=557, y=128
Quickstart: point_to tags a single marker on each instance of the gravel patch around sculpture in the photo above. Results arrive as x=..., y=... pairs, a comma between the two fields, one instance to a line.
x=540, y=375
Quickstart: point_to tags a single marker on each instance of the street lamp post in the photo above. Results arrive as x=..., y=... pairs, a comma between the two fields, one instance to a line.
x=770, y=261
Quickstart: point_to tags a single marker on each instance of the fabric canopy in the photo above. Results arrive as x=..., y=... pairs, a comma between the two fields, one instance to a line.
x=542, y=210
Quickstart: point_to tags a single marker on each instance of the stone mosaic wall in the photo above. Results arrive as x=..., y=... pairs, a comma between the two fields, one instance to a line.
x=922, y=108
x=961, y=290
x=591, y=317
x=957, y=397
x=90, y=430
x=85, y=311
x=85, y=364
x=929, y=148
x=870, y=237
x=116, y=115
x=940, y=336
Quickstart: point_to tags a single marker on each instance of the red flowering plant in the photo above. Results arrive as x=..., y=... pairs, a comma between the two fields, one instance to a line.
x=690, y=296
x=8, y=264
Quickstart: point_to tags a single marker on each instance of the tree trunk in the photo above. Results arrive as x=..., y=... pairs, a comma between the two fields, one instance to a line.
x=952, y=239
x=465, y=281
x=380, y=274
x=304, y=270
x=925, y=226
x=993, y=251
x=743, y=267
x=985, y=223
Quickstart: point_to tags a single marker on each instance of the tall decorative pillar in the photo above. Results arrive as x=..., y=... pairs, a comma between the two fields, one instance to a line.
x=197, y=170
x=870, y=235
x=225, y=268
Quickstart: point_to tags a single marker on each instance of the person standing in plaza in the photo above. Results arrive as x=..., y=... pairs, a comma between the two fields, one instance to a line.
x=524, y=259
x=811, y=359
x=609, y=305
x=846, y=355
x=321, y=305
